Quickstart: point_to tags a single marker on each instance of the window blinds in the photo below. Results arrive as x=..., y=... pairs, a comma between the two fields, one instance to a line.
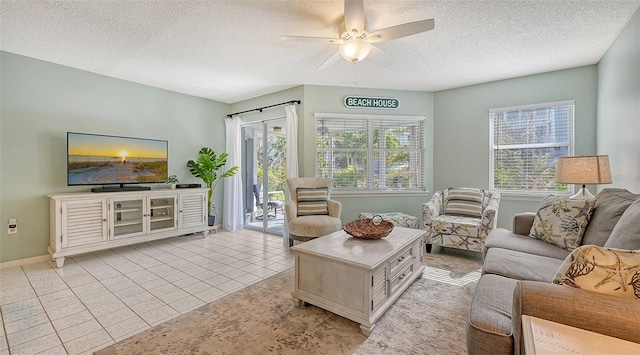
x=370, y=153
x=525, y=145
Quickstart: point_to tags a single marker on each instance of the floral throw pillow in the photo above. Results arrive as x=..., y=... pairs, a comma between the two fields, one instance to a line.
x=562, y=221
x=605, y=270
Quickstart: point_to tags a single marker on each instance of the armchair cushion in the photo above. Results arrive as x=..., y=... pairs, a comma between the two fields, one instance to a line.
x=611, y=271
x=456, y=225
x=312, y=201
x=464, y=202
x=562, y=221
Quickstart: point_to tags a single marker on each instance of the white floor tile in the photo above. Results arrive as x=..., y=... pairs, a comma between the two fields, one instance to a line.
x=96, y=298
x=29, y=334
x=248, y=279
x=147, y=305
x=79, y=330
x=156, y=315
x=26, y=323
x=129, y=326
x=58, y=350
x=88, y=342
x=210, y=294
x=16, y=294
x=118, y=316
x=38, y=345
x=173, y=296
x=217, y=280
x=71, y=320
x=65, y=311
x=230, y=286
x=187, y=304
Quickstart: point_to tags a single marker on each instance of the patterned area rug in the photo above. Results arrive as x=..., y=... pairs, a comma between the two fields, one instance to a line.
x=429, y=318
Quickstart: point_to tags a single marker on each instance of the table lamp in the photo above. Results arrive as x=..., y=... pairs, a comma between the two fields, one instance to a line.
x=583, y=170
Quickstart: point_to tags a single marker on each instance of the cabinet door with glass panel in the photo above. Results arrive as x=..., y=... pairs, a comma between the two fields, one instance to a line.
x=162, y=212
x=127, y=217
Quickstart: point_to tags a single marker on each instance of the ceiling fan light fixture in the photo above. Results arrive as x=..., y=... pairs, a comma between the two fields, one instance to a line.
x=355, y=50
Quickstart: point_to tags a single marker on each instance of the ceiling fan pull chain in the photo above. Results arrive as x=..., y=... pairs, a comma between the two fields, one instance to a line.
x=355, y=79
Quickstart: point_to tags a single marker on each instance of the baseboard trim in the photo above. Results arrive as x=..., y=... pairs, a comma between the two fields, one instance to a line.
x=23, y=262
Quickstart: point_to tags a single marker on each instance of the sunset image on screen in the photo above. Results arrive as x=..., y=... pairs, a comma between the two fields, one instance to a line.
x=97, y=159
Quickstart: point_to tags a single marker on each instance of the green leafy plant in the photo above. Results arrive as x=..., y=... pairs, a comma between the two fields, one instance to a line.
x=172, y=179
x=208, y=168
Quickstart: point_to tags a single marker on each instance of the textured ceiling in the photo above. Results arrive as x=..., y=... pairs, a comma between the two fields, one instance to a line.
x=230, y=50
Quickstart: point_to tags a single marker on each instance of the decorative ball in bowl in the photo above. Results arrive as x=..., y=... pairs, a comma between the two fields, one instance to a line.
x=369, y=228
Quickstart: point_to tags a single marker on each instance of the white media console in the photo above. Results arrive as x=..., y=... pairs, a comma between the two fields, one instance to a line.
x=86, y=222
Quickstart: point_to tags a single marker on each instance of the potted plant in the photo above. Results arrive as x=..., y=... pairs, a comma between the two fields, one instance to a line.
x=209, y=168
x=172, y=181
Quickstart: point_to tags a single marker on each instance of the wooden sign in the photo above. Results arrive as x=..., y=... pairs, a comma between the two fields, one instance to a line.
x=371, y=102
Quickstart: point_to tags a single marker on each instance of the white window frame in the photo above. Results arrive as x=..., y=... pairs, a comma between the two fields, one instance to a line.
x=492, y=147
x=371, y=151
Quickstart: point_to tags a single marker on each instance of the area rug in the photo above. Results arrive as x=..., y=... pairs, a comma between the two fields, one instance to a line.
x=429, y=318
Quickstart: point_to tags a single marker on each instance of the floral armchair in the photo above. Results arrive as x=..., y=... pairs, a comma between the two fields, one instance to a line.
x=460, y=218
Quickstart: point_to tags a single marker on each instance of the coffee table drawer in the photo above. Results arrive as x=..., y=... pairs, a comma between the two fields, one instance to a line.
x=401, y=261
x=402, y=277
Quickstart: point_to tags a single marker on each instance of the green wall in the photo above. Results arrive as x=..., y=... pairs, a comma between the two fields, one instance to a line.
x=330, y=99
x=461, y=141
x=41, y=101
x=619, y=107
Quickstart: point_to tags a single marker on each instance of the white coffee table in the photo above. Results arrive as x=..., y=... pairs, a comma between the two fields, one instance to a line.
x=354, y=278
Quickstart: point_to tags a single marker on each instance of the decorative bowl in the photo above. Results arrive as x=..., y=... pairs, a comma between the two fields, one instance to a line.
x=369, y=228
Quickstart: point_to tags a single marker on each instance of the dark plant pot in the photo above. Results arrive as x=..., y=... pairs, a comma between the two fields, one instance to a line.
x=212, y=220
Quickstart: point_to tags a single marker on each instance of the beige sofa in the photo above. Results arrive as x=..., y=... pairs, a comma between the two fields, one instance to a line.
x=517, y=277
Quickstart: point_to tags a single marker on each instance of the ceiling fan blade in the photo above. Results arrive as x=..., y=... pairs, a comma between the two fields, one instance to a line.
x=311, y=39
x=381, y=57
x=331, y=61
x=399, y=31
x=353, y=15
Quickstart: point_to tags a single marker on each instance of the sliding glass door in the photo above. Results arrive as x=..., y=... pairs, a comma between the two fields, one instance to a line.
x=264, y=179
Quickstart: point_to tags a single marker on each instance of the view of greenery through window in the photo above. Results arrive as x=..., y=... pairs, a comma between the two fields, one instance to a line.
x=275, y=160
x=526, y=143
x=370, y=153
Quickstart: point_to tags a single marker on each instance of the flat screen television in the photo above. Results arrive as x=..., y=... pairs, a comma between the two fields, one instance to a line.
x=94, y=159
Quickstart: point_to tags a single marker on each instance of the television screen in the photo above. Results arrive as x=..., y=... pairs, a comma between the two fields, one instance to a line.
x=94, y=159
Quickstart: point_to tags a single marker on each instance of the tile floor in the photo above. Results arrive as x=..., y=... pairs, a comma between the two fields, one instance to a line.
x=100, y=298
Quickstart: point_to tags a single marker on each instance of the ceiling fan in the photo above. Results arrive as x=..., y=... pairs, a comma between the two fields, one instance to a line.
x=355, y=42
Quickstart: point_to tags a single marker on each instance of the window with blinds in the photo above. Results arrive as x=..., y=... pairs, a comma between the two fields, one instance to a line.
x=368, y=153
x=525, y=143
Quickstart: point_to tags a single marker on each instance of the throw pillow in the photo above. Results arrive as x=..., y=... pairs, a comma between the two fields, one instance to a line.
x=312, y=201
x=626, y=233
x=464, y=202
x=562, y=221
x=605, y=270
x=610, y=205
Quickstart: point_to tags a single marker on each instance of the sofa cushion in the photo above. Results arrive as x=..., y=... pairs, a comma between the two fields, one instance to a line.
x=312, y=201
x=605, y=270
x=502, y=238
x=626, y=233
x=610, y=205
x=456, y=225
x=464, y=202
x=562, y=221
x=520, y=265
x=489, y=327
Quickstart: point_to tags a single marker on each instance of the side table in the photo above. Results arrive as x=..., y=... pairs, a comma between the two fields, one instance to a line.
x=542, y=336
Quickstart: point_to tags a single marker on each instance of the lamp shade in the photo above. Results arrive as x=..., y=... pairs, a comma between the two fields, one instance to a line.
x=355, y=50
x=583, y=170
